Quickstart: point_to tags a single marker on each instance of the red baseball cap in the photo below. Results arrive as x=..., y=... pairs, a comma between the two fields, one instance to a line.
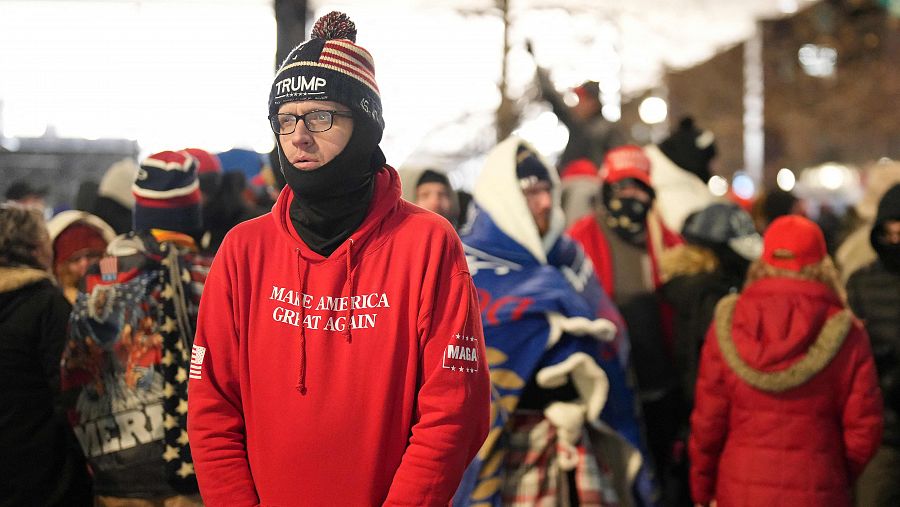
x=623, y=162
x=206, y=161
x=579, y=167
x=792, y=242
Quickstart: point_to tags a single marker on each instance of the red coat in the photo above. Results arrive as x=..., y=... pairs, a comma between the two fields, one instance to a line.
x=796, y=439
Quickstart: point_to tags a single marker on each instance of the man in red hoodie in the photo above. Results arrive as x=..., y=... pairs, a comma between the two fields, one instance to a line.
x=339, y=356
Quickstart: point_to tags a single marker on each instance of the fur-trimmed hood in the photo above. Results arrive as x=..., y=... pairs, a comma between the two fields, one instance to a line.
x=14, y=278
x=686, y=259
x=781, y=332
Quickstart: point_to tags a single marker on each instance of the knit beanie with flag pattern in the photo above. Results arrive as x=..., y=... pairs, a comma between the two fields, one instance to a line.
x=167, y=193
x=330, y=66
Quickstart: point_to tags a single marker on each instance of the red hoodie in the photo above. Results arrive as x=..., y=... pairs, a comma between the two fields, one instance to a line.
x=290, y=406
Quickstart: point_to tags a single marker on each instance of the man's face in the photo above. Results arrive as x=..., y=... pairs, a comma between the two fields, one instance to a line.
x=435, y=197
x=540, y=202
x=890, y=232
x=307, y=150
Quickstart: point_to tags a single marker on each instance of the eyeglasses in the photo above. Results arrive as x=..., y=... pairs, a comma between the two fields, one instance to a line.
x=315, y=121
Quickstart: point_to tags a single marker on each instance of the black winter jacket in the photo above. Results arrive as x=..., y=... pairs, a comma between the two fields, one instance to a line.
x=874, y=295
x=41, y=463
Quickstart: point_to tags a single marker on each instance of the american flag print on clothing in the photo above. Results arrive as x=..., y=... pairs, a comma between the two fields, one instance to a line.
x=350, y=59
x=197, y=355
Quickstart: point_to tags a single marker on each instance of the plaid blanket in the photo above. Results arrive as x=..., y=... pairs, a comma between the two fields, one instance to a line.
x=539, y=467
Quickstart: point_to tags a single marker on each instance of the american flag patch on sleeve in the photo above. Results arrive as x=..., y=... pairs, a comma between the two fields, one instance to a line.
x=197, y=355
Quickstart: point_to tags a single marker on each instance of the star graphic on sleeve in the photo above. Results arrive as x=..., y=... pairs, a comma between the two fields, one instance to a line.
x=171, y=453
x=182, y=407
x=170, y=422
x=167, y=358
x=183, y=438
x=185, y=470
x=453, y=368
x=181, y=376
x=168, y=326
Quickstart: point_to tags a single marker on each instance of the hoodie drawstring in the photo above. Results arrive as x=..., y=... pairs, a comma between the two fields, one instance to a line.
x=301, y=377
x=348, y=315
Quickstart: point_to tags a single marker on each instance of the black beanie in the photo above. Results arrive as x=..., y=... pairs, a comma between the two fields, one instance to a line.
x=330, y=66
x=690, y=148
x=432, y=176
x=529, y=168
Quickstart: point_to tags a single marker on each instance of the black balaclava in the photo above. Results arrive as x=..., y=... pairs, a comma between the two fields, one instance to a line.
x=627, y=216
x=332, y=201
x=888, y=209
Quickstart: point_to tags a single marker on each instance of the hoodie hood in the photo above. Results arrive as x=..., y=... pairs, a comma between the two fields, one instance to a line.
x=386, y=198
x=497, y=193
x=62, y=220
x=776, y=321
x=888, y=209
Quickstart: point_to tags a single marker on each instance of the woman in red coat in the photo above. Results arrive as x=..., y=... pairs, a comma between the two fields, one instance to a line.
x=788, y=409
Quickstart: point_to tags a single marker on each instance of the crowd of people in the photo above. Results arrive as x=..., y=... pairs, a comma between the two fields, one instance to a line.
x=599, y=332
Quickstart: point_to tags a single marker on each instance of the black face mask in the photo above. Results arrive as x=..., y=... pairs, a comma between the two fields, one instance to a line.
x=332, y=201
x=627, y=217
x=732, y=265
x=889, y=255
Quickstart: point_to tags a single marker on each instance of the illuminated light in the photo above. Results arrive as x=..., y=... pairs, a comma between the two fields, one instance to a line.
x=743, y=185
x=264, y=145
x=831, y=176
x=610, y=86
x=718, y=186
x=570, y=98
x=653, y=110
x=612, y=112
x=817, y=61
x=544, y=132
x=10, y=143
x=787, y=6
x=786, y=179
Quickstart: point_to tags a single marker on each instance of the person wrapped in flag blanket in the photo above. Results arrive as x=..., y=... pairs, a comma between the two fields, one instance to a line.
x=126, y=363
x=564, y=429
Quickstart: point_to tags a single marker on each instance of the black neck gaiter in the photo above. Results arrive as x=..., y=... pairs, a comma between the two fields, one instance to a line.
x=332, y=201
x=889, y=254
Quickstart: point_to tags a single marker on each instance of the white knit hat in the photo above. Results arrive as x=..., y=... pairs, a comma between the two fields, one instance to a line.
x=117, y=181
